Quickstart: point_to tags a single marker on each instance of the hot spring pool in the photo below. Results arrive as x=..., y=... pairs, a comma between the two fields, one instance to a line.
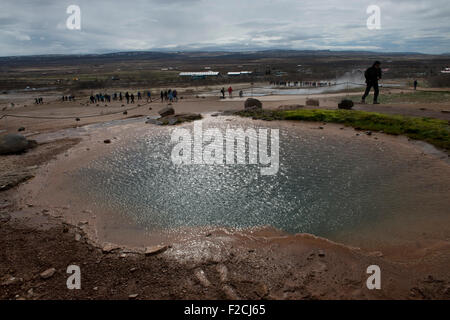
x=328, y=184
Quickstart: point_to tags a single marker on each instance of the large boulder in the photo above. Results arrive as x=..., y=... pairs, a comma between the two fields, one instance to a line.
x=312, y=102
x=346, y=104
x=15, y=143
x=167, y=111
x=252, y=104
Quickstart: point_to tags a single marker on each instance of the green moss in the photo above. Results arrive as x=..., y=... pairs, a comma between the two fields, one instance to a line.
x=411, y=97
x=433, y=131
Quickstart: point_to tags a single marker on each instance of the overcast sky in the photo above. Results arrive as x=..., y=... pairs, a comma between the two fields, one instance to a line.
x=39, y=26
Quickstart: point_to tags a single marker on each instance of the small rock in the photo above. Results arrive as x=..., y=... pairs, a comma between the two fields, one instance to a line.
x=346, y=104
x=321, y=253
x=369, y=133
x=48, y=273
x=252, y=104
x=109, y=247
x=201, y=277
x=262, y=290
x=95, y=288
x=30, y=293
x=168, y=111
x=77, y=237
x=133, y=296
x=155, y=250
x=10, y=280
x=21, y=129
x=107, y=141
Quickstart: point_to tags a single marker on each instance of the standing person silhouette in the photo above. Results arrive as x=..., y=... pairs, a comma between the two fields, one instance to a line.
x=230, y=92
x=372, y=74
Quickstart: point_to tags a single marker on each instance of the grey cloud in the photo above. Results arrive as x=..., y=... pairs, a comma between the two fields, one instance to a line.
x=407, y=25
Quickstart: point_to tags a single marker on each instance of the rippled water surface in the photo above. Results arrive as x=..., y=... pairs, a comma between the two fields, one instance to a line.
x=326, y=184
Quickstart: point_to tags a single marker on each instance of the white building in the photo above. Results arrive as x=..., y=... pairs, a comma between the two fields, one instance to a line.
x=199, y=74
x=239, y=73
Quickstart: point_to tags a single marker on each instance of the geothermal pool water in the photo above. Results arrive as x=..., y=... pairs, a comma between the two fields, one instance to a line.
x=327, y=185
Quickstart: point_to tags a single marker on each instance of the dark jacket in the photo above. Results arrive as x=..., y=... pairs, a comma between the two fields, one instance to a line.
x=372, y=74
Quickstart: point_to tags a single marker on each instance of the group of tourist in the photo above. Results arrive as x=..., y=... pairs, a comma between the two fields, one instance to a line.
x=230, y=92
x=38, y=100
x=169, y=95
x=130, y=98
x=68, y=98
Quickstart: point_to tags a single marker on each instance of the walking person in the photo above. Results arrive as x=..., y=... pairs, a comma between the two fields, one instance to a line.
x=127, y=96
x=162, y=96
x=149, y=96
x=230, y=92
x=372, y=74
x=174, y=94
x=132, y=98
x=223, y=93
x=415, y=85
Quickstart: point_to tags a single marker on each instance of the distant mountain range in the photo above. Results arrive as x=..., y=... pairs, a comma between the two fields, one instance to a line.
x=167, y=54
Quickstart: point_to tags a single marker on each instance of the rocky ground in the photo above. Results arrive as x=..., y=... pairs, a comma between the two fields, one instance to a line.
x=33, y=264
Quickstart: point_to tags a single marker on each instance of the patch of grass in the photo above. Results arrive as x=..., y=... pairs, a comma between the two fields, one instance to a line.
x=410, y=97
x=433, y=131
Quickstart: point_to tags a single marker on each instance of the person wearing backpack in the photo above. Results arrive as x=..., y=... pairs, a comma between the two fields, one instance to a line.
x=372, y=75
